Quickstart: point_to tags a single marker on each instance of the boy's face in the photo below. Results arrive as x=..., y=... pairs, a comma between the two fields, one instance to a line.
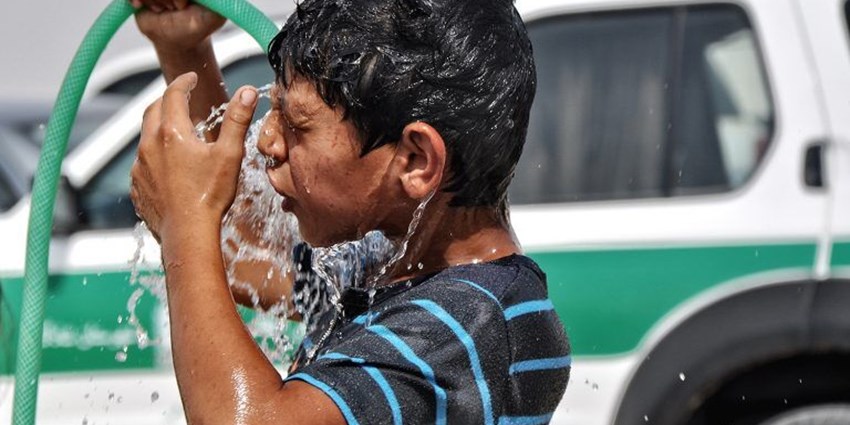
x=316, y=164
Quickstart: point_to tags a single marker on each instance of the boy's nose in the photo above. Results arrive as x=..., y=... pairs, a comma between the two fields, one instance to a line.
x=271, y=142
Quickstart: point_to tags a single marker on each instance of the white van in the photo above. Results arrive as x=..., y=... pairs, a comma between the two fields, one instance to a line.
x=685, y=186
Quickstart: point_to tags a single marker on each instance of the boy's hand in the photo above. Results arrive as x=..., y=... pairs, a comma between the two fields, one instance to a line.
x=180, y=183
x=175, y=24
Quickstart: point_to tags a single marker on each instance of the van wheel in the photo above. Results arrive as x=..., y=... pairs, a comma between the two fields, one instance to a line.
x=826, y=414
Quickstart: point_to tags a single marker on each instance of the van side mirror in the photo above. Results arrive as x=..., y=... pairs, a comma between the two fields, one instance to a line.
x=66, y=211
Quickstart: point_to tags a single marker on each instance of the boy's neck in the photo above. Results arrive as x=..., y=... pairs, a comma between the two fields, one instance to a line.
x=452, y=236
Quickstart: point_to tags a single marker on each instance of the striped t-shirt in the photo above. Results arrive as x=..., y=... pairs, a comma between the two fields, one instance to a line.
x=477, y=343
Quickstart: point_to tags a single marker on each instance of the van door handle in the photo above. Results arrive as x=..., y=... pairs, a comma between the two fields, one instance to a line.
x=813, y=167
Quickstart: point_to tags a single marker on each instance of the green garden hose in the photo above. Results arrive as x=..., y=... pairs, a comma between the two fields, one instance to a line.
x=28, y=363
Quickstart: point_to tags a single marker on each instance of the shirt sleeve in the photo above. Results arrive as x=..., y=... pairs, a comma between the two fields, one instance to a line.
x=425, y=359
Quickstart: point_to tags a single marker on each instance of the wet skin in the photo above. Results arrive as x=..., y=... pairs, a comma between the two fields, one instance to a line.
x=339, y=195
x=182, y=188
x=336, y=193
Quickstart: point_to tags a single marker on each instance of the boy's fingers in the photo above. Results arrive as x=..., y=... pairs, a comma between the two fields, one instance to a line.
x=151, y=121
x=175, y=104
x=151, y=117
x=237, y=118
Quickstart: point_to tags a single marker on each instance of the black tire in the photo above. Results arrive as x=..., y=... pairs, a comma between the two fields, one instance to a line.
x=826, y=414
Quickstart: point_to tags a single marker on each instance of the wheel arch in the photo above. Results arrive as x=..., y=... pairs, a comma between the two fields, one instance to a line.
x=724, y=331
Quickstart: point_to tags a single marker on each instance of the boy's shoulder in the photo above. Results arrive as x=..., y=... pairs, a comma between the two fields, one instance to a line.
x=503, y=281
x=470, y=342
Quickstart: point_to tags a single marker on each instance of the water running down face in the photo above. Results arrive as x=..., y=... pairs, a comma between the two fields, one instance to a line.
x=316, y=163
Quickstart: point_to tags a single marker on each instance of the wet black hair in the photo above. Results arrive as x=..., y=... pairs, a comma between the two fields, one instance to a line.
x=463, y=66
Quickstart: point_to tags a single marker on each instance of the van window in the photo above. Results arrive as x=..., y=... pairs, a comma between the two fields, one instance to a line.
x=645, y=103
x=104, y=202
x=7, y=197
x=132, y=84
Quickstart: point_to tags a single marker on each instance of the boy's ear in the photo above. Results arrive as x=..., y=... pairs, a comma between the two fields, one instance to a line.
x=421, y=153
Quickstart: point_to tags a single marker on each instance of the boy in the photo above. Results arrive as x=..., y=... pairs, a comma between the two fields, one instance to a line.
x=380, y=107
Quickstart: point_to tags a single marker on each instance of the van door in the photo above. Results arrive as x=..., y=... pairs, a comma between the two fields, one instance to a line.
x=663, y=166
x=828, y=29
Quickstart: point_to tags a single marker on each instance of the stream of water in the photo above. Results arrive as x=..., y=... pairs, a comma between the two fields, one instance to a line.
x=256, y=231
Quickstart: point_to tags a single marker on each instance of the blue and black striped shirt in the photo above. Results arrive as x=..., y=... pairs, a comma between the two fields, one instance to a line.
x=477, y=343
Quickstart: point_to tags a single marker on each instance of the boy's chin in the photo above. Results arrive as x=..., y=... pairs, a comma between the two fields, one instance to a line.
x=324, y=236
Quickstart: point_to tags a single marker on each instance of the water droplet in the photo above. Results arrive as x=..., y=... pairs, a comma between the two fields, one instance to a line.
x=85, y=421
x=120, y=357
x=785, y=400
x=154, y=396
x=595, y=386
x=645, y=418
x=682, y=377
x=743, y=397
x=111, y=396
x=85, y=281
x=420, y=266
x=120, y=319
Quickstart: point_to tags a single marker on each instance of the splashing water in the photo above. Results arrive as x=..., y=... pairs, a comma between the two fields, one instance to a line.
x=364, y=263
x=148, y=278
x=216, y=115
x=257, y=231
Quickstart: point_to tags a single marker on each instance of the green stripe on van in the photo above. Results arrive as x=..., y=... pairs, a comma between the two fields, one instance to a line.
x=86, y=324
x=841, y=254
x=609, y=299
x=82, y=329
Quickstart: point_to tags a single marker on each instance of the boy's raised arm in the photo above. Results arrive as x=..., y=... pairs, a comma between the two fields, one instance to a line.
x=181, y=34
x=182, y=189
